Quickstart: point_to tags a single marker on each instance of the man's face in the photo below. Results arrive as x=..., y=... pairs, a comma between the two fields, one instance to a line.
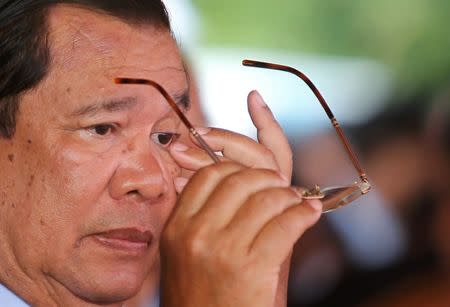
x=87, y=182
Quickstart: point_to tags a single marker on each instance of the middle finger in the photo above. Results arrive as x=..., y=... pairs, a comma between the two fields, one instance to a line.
x=236, y=147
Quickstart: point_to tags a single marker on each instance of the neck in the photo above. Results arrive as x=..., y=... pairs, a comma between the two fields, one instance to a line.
x=22, y=284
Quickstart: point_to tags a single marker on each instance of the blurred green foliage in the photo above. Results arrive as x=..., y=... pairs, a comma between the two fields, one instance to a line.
x=409, y=36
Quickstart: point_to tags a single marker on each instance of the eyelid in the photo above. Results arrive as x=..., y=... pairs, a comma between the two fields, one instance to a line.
x=104, y=124
x=114, y=127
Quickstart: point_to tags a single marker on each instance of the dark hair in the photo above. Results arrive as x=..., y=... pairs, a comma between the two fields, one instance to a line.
x=24, y=50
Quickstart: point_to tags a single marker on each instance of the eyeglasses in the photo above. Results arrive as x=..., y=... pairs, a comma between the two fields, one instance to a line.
x=332, y=197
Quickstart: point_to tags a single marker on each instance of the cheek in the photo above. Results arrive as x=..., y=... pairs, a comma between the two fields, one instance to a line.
x=69, y=182
x=84, y=176
x=52, y=196
x=171, y=169
x=174, y=169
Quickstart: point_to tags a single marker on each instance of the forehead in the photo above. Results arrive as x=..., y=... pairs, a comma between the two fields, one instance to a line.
x=93, y=42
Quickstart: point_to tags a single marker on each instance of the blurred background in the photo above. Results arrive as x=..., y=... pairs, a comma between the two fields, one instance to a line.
x=384, y=69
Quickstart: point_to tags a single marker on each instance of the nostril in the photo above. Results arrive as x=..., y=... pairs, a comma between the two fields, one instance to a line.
x=161, y=195
x=138, y=192
x=132, y=192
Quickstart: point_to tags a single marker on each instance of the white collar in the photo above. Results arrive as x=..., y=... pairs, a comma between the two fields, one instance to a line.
x=9, y=299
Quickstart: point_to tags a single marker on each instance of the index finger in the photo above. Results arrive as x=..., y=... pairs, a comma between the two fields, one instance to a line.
x=239, y=148
x=270, y=133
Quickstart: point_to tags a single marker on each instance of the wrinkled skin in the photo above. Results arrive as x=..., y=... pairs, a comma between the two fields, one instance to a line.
x=68, y=179
x=74, y=173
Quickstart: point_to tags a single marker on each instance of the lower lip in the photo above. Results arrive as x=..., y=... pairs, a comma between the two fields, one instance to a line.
x=123, y=245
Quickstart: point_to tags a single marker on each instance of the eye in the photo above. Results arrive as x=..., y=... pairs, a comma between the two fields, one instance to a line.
x=164, y=138
x=102, y=129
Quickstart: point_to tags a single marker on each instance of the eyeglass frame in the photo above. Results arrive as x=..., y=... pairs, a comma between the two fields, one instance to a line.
x=342, y=199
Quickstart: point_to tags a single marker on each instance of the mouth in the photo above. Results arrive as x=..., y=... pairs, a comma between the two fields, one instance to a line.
x=129, y=240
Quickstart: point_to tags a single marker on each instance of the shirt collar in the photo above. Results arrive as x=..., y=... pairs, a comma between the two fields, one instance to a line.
x=9, y=299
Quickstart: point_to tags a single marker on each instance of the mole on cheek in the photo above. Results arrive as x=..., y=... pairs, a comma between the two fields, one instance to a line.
x=130, y=146
x=11, y=158
x=30, y=183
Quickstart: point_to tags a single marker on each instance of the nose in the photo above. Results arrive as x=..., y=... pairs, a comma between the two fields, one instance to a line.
x=140, y=172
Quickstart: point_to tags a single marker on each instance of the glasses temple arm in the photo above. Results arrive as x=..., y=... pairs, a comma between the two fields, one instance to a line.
x=325, y=106
x=177, y=110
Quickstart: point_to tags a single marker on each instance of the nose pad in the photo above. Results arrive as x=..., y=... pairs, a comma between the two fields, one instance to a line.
x=139, y=174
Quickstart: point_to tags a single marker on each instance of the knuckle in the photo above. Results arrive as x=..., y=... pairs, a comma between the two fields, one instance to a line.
x=272, y=174
x=208, y=171
x=226, y=258
x=215, y=171
x=277, y=199
x=222, y=260
x=189, y=238
x=266, y=198
x=234, y=180
x=195, y=245
x=268, y=155
x=262, y=171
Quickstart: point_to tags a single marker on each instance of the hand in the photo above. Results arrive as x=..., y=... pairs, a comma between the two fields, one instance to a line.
x=275, y=152
x=235, y=223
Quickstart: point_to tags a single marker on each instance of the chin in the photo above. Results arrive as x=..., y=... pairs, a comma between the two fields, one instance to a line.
x=102, y=275
x=111, y=288
x=100, y=283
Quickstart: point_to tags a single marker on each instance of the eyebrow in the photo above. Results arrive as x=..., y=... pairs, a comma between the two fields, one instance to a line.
x=183, y=100
x=110, y=106
x=124, y=104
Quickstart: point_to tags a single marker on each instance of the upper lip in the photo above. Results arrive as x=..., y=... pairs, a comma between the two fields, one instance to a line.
x=128, y=234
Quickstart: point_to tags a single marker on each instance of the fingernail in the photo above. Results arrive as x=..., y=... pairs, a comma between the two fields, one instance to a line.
x=180, y=182
x=179, y=147
x=202, y=130
x=259, y=99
